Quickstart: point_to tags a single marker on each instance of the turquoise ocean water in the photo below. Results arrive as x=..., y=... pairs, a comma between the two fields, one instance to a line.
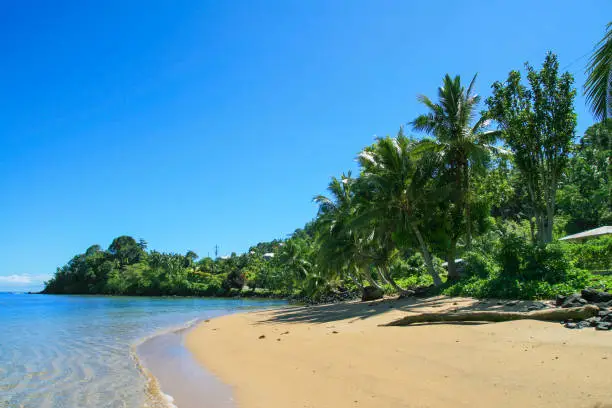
x=79, y=351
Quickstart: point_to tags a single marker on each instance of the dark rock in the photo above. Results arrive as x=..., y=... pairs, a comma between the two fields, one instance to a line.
x=603, y=313
x=596, y=296
x=536, y=306
x=574, y=300
x=605, y=305
x=583, y=324
x=371, y=293
x=513, y=303
x=593, y=321
x=405, y=294
x=560, y=299
x=423, y=290
x=603, y=326
x=571, y=325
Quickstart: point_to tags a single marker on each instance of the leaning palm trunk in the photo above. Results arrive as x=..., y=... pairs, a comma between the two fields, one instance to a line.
x=371, y=281
x=356, y=281
x=382, y=276
x=398, y=288
x=426, y=256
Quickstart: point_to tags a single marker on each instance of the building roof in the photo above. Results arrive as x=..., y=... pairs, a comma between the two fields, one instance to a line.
x=596, y=232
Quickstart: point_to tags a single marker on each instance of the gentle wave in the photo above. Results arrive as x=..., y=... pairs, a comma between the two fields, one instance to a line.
x=80, y=351
x=156, y=398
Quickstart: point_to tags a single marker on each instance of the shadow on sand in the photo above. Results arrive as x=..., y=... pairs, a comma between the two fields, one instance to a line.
x=365, y=310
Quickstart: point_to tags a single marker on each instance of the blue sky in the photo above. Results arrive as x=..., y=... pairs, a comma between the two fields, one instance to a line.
x=195, y=123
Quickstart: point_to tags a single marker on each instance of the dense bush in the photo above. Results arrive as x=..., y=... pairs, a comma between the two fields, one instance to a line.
x=479, y=264
x=594, y=254
x=499, y=286
x=516, y=269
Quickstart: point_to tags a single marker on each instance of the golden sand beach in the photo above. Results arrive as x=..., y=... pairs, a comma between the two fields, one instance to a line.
x=337, y=356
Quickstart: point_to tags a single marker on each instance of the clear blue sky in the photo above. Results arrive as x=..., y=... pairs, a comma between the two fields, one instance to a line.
x=195, y=123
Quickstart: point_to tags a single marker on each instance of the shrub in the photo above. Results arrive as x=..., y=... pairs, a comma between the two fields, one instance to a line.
x=547, y=262
x=479, y=264
x=498, y=286
x=594, y=254
x=513, y=253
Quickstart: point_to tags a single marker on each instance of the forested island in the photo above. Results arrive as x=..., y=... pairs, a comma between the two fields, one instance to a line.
x=469, y=199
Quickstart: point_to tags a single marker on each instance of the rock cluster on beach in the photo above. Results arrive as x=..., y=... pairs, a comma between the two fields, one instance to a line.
x=603, y=321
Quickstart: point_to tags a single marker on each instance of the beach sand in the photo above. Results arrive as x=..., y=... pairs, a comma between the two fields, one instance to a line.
x=337, y=356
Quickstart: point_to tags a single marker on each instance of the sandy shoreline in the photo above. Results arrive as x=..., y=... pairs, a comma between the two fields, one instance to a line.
x=337, y=356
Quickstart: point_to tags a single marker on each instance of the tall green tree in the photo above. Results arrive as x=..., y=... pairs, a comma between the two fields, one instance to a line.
x=598, y=86
x=538, y=124
x=126, y=250
x=342, y=249
x=395, y=200
x=464, y=142
x=585, y=193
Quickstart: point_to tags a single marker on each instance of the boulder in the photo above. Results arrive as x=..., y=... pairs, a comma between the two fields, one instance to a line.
x=583, y=325
x=593, y=321
x=574, y=300
x=571, y=325
x=536, y=306
x=603, y=326
x=559, y=300
x=371, y=293
x=406, y=294
x=596, y=296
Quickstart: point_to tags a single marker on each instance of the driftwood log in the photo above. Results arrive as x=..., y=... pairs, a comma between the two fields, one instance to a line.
x=551, y=315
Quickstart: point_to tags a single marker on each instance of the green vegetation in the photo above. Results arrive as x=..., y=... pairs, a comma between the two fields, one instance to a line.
x=495, y=189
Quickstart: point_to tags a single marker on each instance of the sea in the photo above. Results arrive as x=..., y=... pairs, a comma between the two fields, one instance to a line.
x=105, y=351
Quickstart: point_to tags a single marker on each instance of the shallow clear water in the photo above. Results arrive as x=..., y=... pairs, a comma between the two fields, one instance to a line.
x=77, y=351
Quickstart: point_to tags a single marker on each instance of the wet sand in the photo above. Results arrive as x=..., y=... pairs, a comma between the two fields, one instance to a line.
x=179, y=375
x=337, y=356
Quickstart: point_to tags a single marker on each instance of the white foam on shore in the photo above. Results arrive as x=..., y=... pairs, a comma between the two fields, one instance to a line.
x=155, y=397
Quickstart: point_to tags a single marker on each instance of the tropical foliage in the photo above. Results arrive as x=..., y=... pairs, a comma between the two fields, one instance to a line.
x=598, y=86
x=492, y=188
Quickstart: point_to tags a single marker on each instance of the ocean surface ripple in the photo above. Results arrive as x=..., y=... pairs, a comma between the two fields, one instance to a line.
x=77, y=351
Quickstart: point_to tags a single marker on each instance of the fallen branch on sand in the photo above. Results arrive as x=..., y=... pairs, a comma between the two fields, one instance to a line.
x=554, y=315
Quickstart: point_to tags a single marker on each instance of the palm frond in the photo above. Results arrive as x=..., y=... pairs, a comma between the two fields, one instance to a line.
x=598, y=86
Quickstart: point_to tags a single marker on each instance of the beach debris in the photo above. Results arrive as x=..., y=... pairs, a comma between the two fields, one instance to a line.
x=287, y=332
x=371, y=293
x=559, y=314
x=603, y=300
x=278, y=339
x=594, y=296
x=335, y=332
x=263, y=336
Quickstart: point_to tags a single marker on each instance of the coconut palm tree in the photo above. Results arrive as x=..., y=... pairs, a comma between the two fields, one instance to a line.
x=463, y=143
x=341, y=248
x=393, y=199
x=598, y=86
